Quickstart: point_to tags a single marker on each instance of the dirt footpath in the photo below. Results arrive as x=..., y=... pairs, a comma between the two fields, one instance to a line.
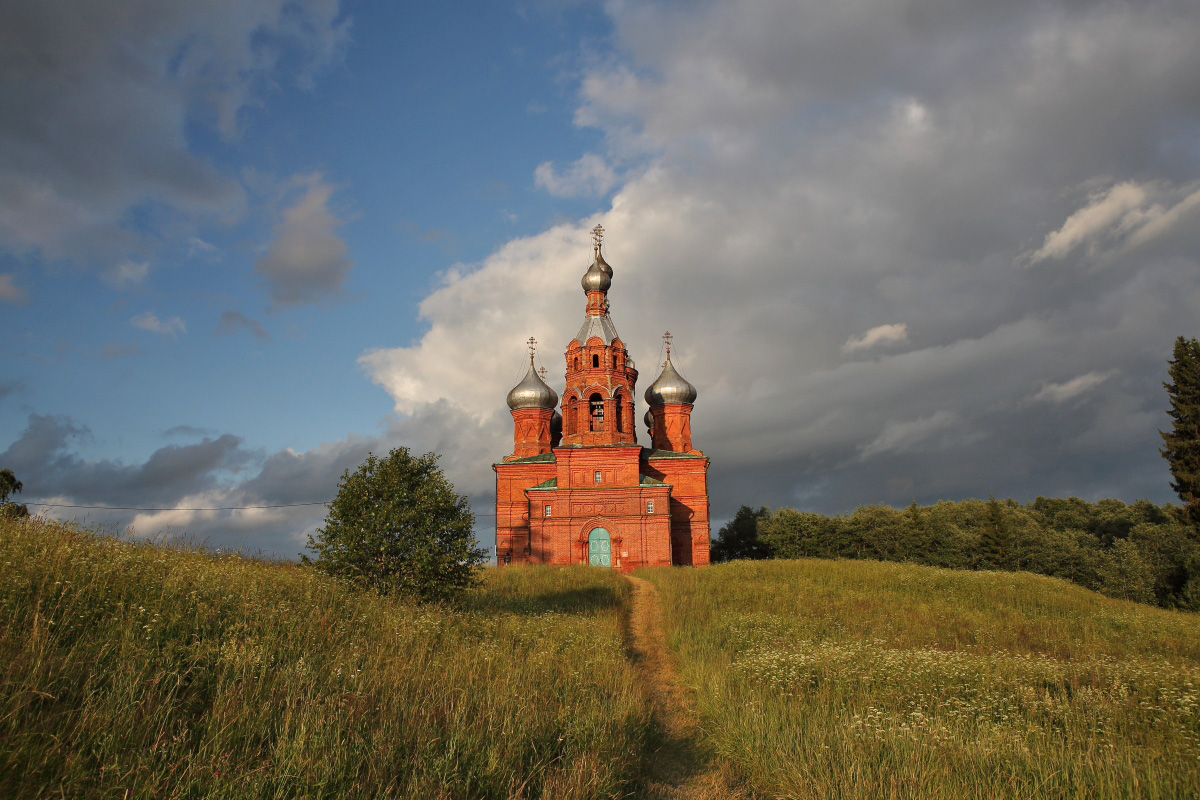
x=677, y=765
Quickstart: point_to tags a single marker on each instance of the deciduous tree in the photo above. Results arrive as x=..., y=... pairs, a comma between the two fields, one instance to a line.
x=397, y=526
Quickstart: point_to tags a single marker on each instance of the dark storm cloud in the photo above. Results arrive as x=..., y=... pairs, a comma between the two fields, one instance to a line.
x=95, y=98
x=908, y=250
x=43, y=456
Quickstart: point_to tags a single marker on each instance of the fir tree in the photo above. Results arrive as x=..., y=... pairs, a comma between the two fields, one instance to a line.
x=1182, y=443
x=995, y=543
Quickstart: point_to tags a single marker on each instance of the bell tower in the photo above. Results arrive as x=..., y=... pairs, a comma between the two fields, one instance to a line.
x=597, y=404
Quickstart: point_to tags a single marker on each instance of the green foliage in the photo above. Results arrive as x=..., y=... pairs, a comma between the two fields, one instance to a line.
x=397, y=526
x=1137, y=552
x=10, y=485
x=860, y=680
x=129, y=670
x=995, y=543
x=1181, y=446
x=739, y=537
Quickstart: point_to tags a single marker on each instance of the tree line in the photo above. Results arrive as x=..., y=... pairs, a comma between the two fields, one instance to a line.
x=1140, y=551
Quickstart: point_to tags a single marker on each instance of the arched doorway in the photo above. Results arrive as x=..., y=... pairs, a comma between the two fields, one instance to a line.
x=599, y=548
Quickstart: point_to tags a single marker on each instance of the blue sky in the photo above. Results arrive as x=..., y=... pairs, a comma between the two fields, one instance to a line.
x=908, y=251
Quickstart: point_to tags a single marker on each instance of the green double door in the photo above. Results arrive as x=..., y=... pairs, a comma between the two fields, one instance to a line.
x=599, y=548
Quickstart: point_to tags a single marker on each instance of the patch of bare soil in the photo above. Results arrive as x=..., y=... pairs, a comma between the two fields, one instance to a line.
x=677, y=767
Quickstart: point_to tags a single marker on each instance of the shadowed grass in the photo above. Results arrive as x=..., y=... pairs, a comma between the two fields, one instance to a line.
x=831, y=679
x=129, y=669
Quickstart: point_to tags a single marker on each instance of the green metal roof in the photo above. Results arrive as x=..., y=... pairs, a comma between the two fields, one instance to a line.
x=550, y=484
x=648, y=453
x=648, y=481
x=541, y=458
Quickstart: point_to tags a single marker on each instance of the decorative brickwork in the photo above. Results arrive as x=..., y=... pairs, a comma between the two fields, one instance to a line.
x=598, y=496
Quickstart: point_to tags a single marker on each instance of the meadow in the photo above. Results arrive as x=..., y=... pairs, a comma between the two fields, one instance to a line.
x=134, y=670
x=855, y=679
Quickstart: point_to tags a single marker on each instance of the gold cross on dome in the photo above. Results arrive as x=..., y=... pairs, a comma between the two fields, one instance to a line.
x=667, y=337
x=532, y=346
x=597, y=235
x=542, y=372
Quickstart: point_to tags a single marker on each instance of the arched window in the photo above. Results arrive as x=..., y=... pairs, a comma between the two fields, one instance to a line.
x=614, y=360
x=577, y=363
x=618, y=413
x=596, y=408
x=595, y=360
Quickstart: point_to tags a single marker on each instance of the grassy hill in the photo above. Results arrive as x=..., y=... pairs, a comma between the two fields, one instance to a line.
x=130, y=670
x=855, y=679
x=134, y=670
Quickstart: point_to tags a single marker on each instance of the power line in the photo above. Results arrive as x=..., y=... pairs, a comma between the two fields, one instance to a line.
x=143, y=508
x=210, y=508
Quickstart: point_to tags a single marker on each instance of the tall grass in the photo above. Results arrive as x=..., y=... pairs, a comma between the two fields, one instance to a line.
x=846, y=679
x=132, y=670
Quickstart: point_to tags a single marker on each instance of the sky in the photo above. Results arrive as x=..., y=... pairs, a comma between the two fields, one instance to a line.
x=908, y=251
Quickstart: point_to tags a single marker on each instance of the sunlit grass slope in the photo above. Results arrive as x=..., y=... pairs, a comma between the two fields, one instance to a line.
x=851, y=679
x=166, y=673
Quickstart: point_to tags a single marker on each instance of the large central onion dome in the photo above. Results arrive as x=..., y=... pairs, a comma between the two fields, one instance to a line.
x=670, y=387
x=599, y=276
x=532, y=392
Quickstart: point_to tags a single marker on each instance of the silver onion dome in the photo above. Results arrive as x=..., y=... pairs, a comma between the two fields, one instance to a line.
x=532, y=392
x=596, y=279
x=649, y=420
x=555, y=424
x=670, y=387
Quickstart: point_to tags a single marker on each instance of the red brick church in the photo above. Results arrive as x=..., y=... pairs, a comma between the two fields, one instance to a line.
x=578, y=488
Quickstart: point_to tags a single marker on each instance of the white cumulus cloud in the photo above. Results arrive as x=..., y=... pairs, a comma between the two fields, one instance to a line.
x=879, y=335
x=590, y=176
x=149, y=321
x=1068, y=390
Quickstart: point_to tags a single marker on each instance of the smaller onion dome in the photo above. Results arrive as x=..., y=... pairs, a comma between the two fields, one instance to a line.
x=555, y=424
x=532, y=392
x=670, y=387
x=596, y=279
x=649, y=420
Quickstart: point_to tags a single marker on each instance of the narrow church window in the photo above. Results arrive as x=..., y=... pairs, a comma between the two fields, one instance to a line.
x=596, y=402
x=614, y=360
x=618, y=401
x=595, y=360
x=576, y=362
x=548, y=507
x=597, y=476
x=649, y=507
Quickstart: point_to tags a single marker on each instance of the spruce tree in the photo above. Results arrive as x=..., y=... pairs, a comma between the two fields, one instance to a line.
x=1182, y=443
x=995, y=541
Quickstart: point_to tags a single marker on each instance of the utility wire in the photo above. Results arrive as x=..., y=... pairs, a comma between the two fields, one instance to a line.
x=220, y=508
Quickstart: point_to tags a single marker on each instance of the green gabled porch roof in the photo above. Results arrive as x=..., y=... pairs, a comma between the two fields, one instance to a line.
x=651, y=453
x=540, y=458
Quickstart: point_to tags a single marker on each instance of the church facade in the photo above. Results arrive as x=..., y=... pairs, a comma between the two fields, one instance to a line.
x=578, y=488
